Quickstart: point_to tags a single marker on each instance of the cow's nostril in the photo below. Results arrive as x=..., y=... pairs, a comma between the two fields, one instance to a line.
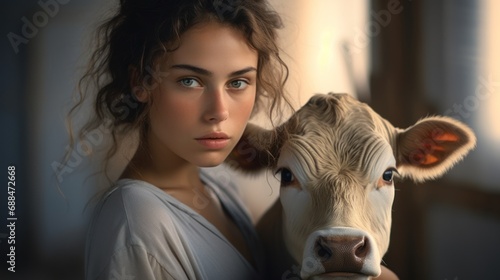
x=322, y=250
x=361, y=249
x=324, y=254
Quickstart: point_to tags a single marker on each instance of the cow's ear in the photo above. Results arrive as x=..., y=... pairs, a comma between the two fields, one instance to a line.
x=429, y=148
x=257, y=149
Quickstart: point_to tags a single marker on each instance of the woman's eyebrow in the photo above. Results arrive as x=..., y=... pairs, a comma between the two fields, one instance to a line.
x=205, y=72
x=242, y=71
x=192, y=68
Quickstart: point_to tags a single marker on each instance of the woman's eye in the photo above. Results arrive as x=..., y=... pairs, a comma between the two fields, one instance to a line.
x=190, y=82
x=286, y=177
x=238, y=84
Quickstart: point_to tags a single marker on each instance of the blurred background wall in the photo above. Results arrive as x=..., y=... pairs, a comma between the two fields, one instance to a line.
x=407, y=59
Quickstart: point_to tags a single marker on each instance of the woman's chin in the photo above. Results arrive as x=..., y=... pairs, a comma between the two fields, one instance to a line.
x=212, y=160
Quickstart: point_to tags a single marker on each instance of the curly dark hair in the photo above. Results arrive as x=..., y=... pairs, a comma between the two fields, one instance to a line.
x=141, y=31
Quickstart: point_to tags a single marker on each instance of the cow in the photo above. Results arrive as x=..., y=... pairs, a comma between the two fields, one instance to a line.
x=336, y=160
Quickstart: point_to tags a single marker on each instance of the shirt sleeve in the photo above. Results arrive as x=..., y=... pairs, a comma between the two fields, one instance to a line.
x=135, y=263
x=124, y=242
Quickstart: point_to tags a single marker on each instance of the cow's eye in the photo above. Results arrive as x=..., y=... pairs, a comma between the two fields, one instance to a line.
x=286, y=176
x=388, y=175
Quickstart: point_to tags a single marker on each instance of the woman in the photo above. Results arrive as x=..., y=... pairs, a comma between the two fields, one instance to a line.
x=185, y=76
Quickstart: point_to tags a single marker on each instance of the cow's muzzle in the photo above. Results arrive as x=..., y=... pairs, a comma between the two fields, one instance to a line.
x=340, y=250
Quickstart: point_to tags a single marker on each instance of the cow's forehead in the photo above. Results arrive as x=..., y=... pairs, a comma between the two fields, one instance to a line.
x=341, y=113
x=336, y=133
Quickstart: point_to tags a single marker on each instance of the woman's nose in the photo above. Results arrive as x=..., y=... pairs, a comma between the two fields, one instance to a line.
x=216, y=108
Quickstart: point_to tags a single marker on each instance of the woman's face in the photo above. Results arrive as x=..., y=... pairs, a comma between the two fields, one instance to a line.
x=206, y=96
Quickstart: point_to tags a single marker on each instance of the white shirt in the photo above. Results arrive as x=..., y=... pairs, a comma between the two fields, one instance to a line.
x=140, y=232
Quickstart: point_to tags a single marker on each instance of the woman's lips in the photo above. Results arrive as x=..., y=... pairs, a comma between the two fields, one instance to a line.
x=214, y=140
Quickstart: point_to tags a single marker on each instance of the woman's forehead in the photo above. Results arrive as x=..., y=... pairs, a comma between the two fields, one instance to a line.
x=213, y=47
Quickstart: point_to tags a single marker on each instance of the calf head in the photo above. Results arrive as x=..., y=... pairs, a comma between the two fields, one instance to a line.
x=336, y=159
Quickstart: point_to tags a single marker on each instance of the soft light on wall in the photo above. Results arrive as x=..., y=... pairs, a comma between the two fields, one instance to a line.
x=315, y=36
x=489, y=87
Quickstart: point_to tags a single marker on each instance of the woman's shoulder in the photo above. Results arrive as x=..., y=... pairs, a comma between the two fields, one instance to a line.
x=132, y=210
x=133, y=223
x=127, y=195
